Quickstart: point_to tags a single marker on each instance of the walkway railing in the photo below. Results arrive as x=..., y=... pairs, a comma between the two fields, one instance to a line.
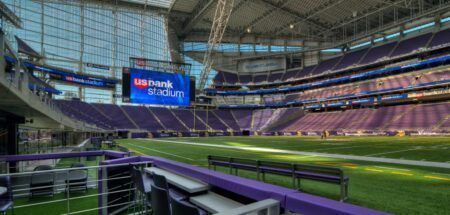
x=68, y=181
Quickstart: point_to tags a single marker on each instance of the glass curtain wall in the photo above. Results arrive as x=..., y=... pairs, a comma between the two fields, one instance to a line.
x=73, y=33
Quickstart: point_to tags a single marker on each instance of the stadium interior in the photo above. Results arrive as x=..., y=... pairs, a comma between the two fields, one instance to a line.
x=229, y=107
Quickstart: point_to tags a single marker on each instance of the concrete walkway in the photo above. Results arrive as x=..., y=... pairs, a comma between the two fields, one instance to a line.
x=318, y=154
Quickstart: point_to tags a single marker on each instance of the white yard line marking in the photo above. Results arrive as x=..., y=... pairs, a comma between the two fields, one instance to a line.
x=348, y=157
x=161, y=152
x=436, y=173
x=344, y=147
x=392, y=152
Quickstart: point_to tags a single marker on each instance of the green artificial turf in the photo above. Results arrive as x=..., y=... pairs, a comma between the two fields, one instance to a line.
x=78, y=201
x=399, y=189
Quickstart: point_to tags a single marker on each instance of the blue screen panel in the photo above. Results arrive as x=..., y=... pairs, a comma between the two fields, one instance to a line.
x=152, y=87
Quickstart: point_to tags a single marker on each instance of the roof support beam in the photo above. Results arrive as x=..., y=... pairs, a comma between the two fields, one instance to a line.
x=197, y=14
x=260, y=18
x=319, y=10
x=9, y=15
x=295, y=14
x=370, y=12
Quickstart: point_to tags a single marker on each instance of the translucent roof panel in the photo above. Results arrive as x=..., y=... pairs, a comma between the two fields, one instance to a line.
x=155, y=3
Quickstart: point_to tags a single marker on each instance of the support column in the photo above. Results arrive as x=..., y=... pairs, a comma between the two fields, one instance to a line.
x=9, y=137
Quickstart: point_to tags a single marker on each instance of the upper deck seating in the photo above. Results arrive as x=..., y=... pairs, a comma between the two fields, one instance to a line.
x=378, y=52
x=230, y=78
x=275, y=77
x=409, y=45
x=260, y=78
x=326, y=65
x=245, y=79
x=351, y=58
x=440, y=38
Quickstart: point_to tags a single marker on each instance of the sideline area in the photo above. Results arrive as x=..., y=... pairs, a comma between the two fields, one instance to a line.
x=348, y=157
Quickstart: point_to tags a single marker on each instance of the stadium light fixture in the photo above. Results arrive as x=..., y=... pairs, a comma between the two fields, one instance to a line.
x=291, y=26
x=249, y=30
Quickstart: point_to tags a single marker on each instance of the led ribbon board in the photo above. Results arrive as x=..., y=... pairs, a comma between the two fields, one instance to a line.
x=152, y=87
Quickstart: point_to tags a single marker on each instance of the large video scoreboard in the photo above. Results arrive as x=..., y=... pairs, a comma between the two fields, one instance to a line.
x=153, y=87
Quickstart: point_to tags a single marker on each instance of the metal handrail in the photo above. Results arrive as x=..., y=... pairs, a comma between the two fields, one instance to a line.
x=56, y=187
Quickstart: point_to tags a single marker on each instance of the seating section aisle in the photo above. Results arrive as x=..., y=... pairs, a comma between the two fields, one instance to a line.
x=244, y=118
x=143, y=118
x=188, y=118
x=85, y=112
x=118, y=118
x=211, y=119
x=260, y=118
x=168, y=119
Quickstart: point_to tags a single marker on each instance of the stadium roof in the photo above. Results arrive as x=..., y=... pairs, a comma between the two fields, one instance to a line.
x=155, y=3
x=313, y=20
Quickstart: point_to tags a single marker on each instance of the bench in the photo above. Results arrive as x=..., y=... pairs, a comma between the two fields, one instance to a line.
x=325, y=174
x=296, y=171
x=232, y=163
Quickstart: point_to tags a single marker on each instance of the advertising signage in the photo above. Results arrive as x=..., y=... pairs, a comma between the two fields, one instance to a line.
x=153, y=87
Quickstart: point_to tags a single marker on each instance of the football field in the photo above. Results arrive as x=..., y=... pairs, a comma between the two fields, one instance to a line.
x=401, y=175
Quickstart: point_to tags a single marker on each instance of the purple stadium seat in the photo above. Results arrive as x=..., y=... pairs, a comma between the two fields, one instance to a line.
x=245, y=79
x=305, y=72
x=326, y=65
x=230, y=78
x=441, y=38
x=167, y=118
x=211, y=120
x=243, y=117
x=143, y=118
x=188, y=118
x=289, y=75
x=260, y=78
x=408, y=45
x=119, y=119
x=219, y=79
x=351, y=59
x=228, y=118
x=275, y=76
x=260, y=118
x=378, y=52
